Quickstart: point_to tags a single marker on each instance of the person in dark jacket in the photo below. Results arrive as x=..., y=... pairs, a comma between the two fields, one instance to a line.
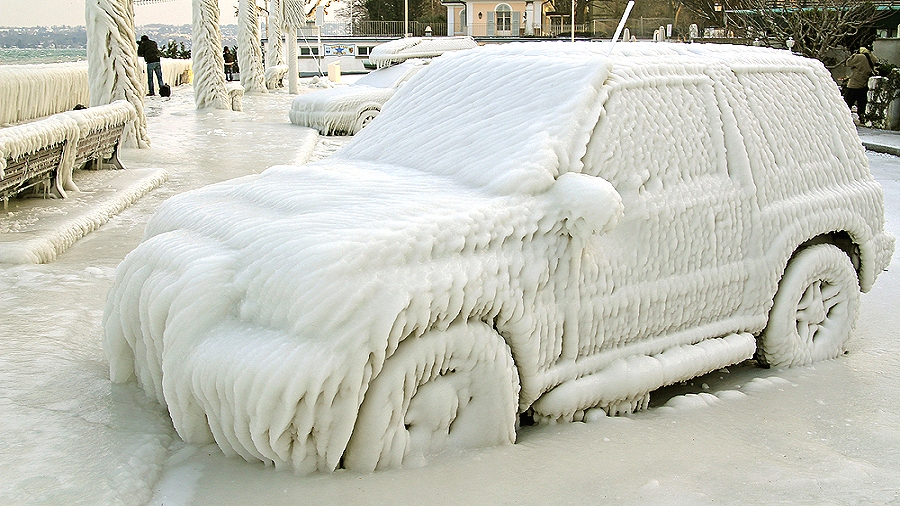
x=862, y=67
x=150, y=51
x=228, y=56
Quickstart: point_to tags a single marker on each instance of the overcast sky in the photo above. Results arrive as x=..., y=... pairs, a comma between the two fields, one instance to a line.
x=71, y=12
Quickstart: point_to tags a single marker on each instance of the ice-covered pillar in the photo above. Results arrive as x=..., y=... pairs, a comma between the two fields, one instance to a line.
x=253, y=77
x=113, y=72
x=290, y=33
x=274, y=47
x=293, y=15
x=206, y=55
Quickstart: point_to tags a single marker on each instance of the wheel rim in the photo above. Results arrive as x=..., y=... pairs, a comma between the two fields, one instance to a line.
x=821, y=304
x=814, y=311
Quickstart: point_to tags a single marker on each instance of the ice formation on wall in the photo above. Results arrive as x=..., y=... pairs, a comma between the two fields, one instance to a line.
x=206, y=54
x=602, y=230
x=112, y=62
x=29, y=92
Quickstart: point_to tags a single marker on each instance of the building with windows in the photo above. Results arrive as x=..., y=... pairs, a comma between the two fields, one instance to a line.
x=508, y=18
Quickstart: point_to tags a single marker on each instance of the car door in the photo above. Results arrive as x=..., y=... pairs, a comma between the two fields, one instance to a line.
x=673, y=271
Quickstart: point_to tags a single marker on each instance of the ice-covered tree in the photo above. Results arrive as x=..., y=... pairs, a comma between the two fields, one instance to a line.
x=208, y=64
x=113, y=72
x=249, y=52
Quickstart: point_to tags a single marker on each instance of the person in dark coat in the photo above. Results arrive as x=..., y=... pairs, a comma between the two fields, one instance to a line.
x=148, y=49
x=862, y=67
x=228, y=56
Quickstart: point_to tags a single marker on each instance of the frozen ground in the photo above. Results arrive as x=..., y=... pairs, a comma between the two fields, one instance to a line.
x=826, y=434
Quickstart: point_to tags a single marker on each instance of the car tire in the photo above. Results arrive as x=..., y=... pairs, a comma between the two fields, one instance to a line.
x=455, y=388
x=364, y=119
x=814, y=310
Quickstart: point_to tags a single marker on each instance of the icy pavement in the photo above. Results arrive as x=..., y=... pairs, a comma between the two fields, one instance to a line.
x=826, y=434
x=880, y=141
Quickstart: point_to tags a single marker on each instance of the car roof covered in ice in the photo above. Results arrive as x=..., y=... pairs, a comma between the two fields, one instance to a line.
x=399, y=50
x=482, y=117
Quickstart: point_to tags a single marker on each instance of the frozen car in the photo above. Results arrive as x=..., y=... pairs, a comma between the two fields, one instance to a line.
x=533, y=231
x=345, y=110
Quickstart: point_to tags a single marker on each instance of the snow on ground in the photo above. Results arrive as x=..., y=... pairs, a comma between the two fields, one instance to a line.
x=824, y=434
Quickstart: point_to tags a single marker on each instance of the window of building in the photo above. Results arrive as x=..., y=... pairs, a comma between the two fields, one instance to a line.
x=504, y=17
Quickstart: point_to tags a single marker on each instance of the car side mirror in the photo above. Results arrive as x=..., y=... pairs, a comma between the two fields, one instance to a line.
x=586, y=205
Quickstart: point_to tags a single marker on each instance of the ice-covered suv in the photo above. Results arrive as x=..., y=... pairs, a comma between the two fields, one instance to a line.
x=530, y=229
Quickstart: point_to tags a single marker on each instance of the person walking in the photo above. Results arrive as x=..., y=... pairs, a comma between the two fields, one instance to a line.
x=148, y=49
x=228, y=56
x=862, y=67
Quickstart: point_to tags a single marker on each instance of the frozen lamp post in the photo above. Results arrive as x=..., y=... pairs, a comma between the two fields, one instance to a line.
x=790, y=44
x=428, y=31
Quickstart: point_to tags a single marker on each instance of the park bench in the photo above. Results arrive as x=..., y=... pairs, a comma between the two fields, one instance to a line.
x=40, y=156
x=32, y=154
x=100, y=132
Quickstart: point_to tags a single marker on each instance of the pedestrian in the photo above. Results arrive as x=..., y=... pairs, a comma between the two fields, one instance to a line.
x=862, y=67
x=150, y=51
x=228, y=56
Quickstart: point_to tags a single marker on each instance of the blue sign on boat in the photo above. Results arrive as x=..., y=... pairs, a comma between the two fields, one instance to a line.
x=339, y=49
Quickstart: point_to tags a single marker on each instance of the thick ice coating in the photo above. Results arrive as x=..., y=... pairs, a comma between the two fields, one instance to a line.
x=525, y=228
x=346, y=109
x=399, y=50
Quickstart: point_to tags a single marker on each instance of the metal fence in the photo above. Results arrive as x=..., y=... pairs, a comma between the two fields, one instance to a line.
x=641, y=28
x=372, y=29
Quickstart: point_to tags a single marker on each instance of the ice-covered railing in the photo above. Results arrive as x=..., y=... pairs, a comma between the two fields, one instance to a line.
x=28, y=92
x=175, y=71
x=33, y=91
x=399, y=50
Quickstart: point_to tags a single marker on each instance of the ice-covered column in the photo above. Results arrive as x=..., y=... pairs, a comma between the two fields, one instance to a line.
x=253, y=77
x=113, y=72
x=294, y=16
x=206, y=55
x=274, y=47
x=290, y=34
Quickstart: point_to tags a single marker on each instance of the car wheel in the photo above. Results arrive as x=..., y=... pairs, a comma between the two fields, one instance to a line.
x=814, y=310
x=456, y=388
x=364, y=119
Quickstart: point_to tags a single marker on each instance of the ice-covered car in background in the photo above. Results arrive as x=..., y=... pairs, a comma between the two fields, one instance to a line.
x=345, y=110
x=532, y=230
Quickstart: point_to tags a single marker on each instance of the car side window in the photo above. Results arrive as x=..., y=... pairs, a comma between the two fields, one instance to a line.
x=796, y=149
x=657, y=137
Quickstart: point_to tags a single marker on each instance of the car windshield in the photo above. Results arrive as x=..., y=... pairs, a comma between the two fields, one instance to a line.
x=390, y=77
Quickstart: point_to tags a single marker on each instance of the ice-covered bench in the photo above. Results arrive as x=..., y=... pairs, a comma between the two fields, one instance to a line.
x=41, y=155
x=32, y=154
x=100, y=132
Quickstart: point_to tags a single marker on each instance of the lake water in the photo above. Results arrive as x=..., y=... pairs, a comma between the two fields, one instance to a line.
x=16, y=56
